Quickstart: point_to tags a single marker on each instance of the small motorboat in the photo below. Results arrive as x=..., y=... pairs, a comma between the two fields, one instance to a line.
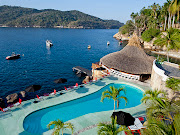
x=108, y=43
x=89, y=46
x=13, y=56
x=49, y=43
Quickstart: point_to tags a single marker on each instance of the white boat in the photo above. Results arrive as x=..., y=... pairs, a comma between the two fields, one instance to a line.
x=89, y=46
x=108, y=43
x=49, y=43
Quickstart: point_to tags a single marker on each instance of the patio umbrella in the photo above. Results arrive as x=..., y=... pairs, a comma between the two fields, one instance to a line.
x=33, y=88
x=123, y=118
x=60, y=80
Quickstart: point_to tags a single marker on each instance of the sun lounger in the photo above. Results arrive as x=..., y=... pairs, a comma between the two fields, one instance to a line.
x=46, y=94
x=137, y=126
x=41, y=97
x=10, y=105
x=53, y=93
x=17, y=104
x=138, y=123
x=134, y=129
x=4, y=109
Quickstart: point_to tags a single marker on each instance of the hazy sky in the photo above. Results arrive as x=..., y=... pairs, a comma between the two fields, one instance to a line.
x=106, y=9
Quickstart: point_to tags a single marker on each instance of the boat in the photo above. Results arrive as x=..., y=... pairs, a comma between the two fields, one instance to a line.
x=89, y=46
x=108, y=43
x=13, y=56
x=49, y=43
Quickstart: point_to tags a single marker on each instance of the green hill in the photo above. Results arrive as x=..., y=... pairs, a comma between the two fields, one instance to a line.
x=13, y=16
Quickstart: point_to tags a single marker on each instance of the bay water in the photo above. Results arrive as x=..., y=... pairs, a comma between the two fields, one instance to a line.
x=41, y=65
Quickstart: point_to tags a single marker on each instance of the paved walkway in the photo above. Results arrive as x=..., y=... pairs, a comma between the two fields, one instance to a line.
x=169, y=70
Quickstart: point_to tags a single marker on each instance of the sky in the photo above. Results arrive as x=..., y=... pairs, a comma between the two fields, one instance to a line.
x=105, y=9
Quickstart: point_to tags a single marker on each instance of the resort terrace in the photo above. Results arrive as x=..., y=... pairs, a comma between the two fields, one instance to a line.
x=11, y=122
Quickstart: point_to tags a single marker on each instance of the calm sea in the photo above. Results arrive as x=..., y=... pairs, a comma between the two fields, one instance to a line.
x=42, y=66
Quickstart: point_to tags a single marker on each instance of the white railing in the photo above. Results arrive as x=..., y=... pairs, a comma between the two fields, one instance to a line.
x=159, y=71
x=122, y=74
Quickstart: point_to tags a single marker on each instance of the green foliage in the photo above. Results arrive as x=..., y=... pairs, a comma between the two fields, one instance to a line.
x=127, y=28
x=163, y=116
x=149, y=34
x=160, y=60
x=110, y=129
x=154, y=96
x=170, y=39
x=173, y=84
x=24, y=17
x=60, y=125
x=114, y=94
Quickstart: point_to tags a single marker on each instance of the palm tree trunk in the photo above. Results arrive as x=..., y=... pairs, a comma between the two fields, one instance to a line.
x=168, y=52
x=169, y=21
x=62, y=131
x=173, y=21
x=165, y=23
x=114, y=105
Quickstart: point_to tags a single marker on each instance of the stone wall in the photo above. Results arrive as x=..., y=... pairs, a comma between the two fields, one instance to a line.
x=158, y=81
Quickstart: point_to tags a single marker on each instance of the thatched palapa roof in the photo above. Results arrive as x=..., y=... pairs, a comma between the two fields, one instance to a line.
x=131, y=59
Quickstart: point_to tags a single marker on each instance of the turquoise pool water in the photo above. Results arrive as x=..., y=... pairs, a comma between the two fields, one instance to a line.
x=36, y=122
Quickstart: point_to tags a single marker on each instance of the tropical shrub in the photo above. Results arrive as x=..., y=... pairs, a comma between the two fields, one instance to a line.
x=60, y=126
x=149, y=34
x=127, y=28
x=173, y=84
x=163, y=116
x=110, y=129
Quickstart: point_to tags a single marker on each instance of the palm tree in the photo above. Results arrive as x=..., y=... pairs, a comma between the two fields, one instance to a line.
x=60, y=125
x=113, y=93
x=110, y=129
x=153, y=95
x=163, y=117
x=164, y=13
x=160, y=127
x=170, y=39
x=174, y=8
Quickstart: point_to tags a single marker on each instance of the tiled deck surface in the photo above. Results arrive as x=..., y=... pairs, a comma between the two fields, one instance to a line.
x=11, y=123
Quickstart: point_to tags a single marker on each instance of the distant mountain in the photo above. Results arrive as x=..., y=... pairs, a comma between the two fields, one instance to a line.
x=13, y=16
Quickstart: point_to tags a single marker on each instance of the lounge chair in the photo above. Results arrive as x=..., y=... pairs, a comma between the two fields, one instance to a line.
x=134, y=129
x=46, y=94
x=18, y=103
x=76, y=85
x=138, y=124
x=10, y=105
x=67, y=88
x=40, y=98
x=53, y=93
x=4, y=109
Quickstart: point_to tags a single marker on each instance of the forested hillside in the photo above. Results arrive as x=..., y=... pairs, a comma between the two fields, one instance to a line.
x=13, y=16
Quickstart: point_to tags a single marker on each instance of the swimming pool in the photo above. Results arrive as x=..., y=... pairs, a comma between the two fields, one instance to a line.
x=36, y=122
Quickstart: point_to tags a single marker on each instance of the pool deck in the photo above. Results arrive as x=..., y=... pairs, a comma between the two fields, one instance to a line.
x=11, y=122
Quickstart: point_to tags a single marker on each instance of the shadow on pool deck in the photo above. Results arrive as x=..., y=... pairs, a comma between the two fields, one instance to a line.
x=100, y=83
x=139, y=113
x=82, y=90
x=113, y=78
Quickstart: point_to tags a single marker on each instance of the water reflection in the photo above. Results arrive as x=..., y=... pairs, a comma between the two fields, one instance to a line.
x=48, y=50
